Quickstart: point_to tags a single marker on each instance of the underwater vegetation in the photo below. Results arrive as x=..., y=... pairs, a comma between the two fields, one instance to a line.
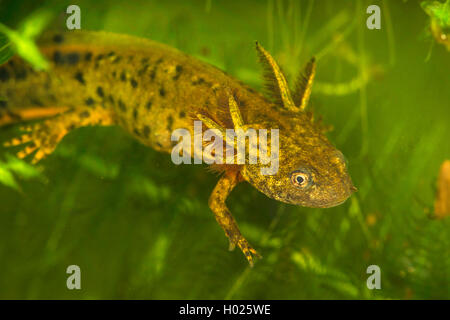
x=439, y=13
x=139, y=226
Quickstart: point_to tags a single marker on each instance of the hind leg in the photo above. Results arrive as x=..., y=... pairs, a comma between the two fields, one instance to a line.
x=43, y=137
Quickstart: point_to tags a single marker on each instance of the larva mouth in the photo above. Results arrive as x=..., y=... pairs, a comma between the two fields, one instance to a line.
x=336, y=197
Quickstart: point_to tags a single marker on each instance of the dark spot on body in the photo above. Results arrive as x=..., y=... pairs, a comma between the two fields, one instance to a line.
x=99, y=57
x=57, y=38
x=143, y=70
x=169, y=123
x=198, y=81
x=110, y=54
x=202, y=81
x=116, y=59
x=159, y=144
x=57, y=57
x=136, y=132
x=111, y=99
x=89, y=101
x=182, y=114
x=133, y=83
x=123, y=76
x=148, y=106
x=73, y=58
x=178, y=70
x=153, y=74
x=122, y=106
x=88, y=56
x=84, y=114
x=135, y=114
x=100, y=92
x=21, y=74
x=52, y=97
x=144, y=60
x=162, y=91
x=3, y=104
x=4, y=75
x=36, y=102
x=114, y=74
x=146, y=131
x=80, y=78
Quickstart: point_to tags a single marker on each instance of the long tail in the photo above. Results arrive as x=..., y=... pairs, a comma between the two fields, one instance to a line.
x=80, y=89
x=26, y=94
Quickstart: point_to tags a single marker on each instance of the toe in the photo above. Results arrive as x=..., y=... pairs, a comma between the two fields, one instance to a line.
x=18, y=141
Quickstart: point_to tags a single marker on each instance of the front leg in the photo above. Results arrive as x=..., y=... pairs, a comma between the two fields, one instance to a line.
x=223, y=216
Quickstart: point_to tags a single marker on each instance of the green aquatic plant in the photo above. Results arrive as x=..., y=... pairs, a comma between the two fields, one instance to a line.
x=11, y=167
x=22, y=40
x=439, y=13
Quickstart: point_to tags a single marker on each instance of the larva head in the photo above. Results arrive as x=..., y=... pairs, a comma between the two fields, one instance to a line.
x=310, y=171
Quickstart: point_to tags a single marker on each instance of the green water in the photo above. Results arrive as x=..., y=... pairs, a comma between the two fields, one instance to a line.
x=140, y=227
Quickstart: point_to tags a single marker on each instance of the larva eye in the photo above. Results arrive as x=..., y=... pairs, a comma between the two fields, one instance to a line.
x=300, y=179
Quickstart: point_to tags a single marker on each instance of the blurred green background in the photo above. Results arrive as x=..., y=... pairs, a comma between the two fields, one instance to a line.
x=139, y=227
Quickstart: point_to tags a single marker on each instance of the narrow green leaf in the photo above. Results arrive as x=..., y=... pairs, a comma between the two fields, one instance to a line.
x=6, y=50
x=7, y=178
x=22, y=168
x=22, y=41
x=35, y=23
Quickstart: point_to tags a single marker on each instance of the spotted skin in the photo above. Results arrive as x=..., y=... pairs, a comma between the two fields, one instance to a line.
x=149, y=89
